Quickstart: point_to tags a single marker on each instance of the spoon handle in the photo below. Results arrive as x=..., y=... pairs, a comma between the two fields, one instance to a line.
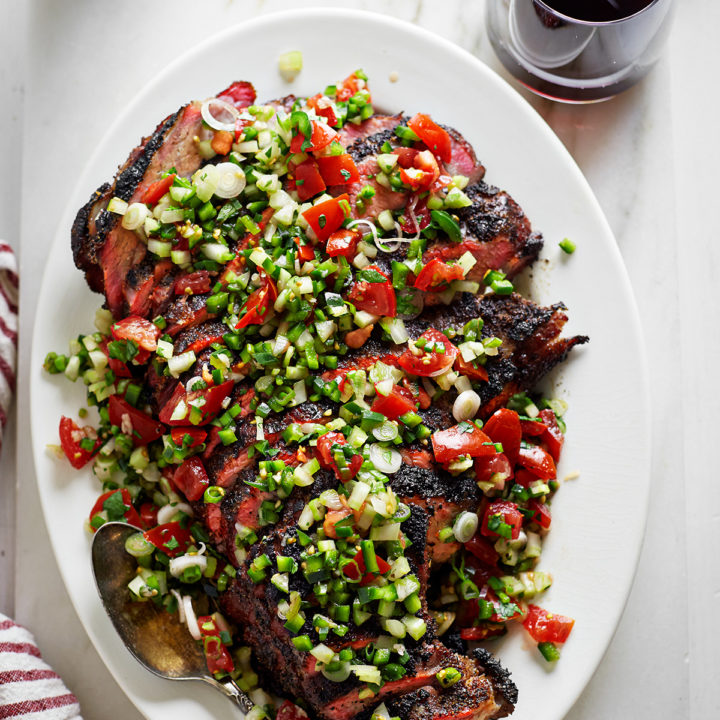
x=230, y=688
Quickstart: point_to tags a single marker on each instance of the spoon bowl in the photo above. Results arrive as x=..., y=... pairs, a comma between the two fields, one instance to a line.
x=155, y=638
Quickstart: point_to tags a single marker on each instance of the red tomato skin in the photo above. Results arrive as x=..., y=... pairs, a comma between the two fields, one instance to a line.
x=437, y=275
x=482, y=550
x=325, y=457
x=347, y=88
x=163, y=534
x=77, y=456
x=489, y=465
x=480, y=633
x=532, y=428
x=305, y=252
x=195, y=283
x=437, y=139
x=155, y=191
x=512, y=516
x=120, y=369
x=213, y=395
x=332, y=166
x=504, y=427
x=308, y=180
x=322, y=136
x=197, y=434
x=131, y=515
x=449, y=444
x=354, y=572
x=142, y=331
x=538, y=461
x=148, y=514
x=191, y=478
x=474, y=372
x=333, y=212
x=323, y=108
x=343, y=242
x=547, y=627
x=290, y=711
x=217, y=657
x=541, y=513
x=145, y=427
x=437, y=362
x=397, y=403
x=377, y=298
x=553, y=437
x=256, y=309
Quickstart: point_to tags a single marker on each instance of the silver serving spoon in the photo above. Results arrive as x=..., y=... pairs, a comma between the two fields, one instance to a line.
x=155, y=637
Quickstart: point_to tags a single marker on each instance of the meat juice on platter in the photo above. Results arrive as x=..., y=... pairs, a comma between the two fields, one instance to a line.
x=312, y=375
x=578, y=51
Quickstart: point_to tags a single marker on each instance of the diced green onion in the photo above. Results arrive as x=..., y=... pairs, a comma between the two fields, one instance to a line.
x=567, y=246
x=465, y=527
x=290, y=64
x=137, y=546
x=448, y=676
x=549, y=651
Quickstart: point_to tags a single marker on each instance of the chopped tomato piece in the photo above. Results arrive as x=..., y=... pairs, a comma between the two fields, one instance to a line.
x=217, y=657
x=326, y=217
x=436, y=354
x=191, y=478
x=327, y=445
x=524, y=477
x=130, y=513
x=322, y=136
x=71, y=435
x=171, y=538
x=541, y=513
x=196, y=436
x=504, y=427
x=343, y=242
x=435, y=137
x=120, y=369
x=256, y=309
x=195, y=283
x=437, y=275
x=538, y=461
x=357, y=569
x=213, y=397
x=155, y=191
x=143, y=427
x=377, y=298
x=418, y=219
x=471, y=369
x=463, y=439
x=290, y=711
x=338, y=169
x=348, y=87
x=398, y=402
x=481, y=633
x=553, y=437
x=148, y=514
x=482, y=550
x=532, y=428
x=499, y=513
x=415, y=178
x=493, y=468
x=544, y=626
x=308, y=180
x=323, y=106
x=306, y=252
x=140, y=330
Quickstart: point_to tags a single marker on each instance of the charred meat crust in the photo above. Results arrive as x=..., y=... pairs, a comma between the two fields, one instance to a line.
x=501, y=677
x=93, y=222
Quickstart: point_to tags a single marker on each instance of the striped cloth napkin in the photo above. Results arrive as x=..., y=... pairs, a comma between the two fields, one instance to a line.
x=29, y=689
x=8, y=330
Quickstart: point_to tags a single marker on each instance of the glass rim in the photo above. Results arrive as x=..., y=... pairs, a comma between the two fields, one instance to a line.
x=593, y=23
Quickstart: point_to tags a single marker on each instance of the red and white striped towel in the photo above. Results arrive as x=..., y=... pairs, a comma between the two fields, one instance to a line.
x=8, y=330
x=29, y=689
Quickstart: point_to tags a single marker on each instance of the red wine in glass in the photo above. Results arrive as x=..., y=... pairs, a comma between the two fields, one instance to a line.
x=578, y=50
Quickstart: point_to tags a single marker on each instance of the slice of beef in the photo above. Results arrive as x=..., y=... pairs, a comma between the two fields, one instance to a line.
x=293, y=673
x=495, y=230
x=463, y=160
x=367, y=137
x=109, y=254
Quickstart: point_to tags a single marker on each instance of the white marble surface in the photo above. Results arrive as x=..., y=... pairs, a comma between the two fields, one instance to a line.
x=651, y=157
